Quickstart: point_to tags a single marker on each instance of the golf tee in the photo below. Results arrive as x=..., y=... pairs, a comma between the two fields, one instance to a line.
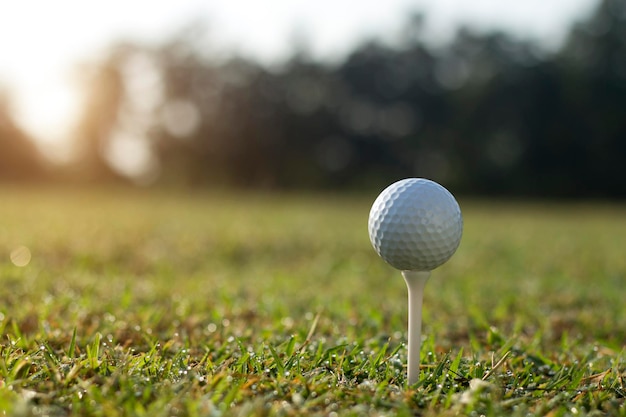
x=415, y=282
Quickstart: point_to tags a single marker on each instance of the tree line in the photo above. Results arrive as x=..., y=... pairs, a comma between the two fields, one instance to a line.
x=486, y=114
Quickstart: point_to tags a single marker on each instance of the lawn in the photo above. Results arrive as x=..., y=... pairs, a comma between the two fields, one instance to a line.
x=124, y=302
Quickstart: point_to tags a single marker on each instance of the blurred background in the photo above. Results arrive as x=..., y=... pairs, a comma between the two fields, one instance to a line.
x=489, y=98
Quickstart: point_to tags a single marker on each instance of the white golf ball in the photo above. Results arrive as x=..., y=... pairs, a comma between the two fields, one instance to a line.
x=415, y=225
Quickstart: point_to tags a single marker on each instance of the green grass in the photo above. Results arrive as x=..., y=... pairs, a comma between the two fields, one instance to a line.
x=231, y=304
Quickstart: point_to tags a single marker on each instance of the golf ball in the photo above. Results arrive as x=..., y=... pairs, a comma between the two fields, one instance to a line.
x=415, y=225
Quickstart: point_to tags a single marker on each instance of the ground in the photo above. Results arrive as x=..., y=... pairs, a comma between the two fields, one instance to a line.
x=127, y=302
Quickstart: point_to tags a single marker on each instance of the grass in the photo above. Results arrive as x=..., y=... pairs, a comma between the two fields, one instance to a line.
x=138, y=303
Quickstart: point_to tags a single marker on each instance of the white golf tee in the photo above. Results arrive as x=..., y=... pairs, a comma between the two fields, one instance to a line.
x=415, y=282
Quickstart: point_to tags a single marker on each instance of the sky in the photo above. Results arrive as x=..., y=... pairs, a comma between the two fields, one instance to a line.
x=42, y=41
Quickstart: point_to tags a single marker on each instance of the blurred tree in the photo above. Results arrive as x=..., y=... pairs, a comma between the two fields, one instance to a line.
x=104, y=92
x=222, y=125
x=19, y=158
x=315, y=151
x=500, y=92
x=594, y=63
x=486, y=113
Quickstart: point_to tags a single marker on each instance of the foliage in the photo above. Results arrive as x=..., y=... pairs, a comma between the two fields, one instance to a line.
x=255, y=304
x=486, y=114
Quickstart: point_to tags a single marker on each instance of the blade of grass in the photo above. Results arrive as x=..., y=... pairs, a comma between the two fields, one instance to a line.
x=72, y=348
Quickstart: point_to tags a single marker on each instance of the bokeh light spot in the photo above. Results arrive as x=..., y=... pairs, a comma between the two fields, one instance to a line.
x=21, y=256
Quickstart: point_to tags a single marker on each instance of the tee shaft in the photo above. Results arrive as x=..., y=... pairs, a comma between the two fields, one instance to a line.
x=415, y=282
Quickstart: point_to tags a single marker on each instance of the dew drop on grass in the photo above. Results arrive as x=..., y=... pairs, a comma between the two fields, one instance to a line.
x=297, y=398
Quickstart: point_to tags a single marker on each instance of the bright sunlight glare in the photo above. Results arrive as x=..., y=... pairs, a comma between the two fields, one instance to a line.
x=43, y=43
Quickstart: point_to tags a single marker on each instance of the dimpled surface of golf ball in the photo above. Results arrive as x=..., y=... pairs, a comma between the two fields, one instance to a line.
x=415, y=225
